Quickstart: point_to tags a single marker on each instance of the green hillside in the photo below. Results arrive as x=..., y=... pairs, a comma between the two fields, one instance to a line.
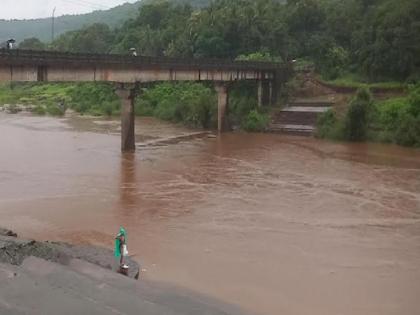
x=41, y=28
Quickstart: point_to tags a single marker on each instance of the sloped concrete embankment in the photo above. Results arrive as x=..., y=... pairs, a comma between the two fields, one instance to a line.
x=56, y=282
x=14, y=250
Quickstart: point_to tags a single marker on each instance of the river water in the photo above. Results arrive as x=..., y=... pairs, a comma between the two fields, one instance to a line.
x=274, y=224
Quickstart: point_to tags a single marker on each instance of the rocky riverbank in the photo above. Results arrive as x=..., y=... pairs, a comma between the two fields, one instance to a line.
x=14, y=250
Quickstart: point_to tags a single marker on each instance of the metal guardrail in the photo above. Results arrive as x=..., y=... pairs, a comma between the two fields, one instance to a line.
x=7, y=55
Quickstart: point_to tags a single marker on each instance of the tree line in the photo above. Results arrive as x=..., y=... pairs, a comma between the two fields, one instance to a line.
x=378, y=39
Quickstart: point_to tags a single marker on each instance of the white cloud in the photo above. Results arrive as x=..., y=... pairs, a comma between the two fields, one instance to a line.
x=30, y=9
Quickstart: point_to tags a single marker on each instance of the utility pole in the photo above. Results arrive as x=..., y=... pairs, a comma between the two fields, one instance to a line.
x=52, y=25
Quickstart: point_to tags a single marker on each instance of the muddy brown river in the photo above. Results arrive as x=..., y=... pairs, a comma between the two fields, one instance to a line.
x=274, y=224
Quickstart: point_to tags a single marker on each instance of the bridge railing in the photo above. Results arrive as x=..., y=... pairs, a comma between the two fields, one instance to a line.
x=55, y=56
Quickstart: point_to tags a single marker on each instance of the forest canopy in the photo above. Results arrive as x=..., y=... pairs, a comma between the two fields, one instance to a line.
x=377, y=39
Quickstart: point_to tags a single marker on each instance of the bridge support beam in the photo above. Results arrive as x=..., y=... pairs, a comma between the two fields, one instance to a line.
x=222, y=106
x=127, y=95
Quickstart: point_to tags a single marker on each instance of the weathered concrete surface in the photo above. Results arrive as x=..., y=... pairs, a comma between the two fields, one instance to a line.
x=128, y=142
x=222, y=106
x=38, y=287
x=14, y=251
x=21, y=65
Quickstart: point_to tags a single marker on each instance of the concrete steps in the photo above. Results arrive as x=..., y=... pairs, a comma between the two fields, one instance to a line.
x=297, y=130
x=40, y=287
x=298, y=118
x=310, y=103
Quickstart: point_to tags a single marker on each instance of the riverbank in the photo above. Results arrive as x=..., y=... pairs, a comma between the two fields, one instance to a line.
x=365, y=118
x=41, y=278
x=14, y=251
x=189, y=103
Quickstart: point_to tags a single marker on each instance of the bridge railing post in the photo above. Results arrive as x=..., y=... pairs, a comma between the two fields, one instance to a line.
x=127, y=96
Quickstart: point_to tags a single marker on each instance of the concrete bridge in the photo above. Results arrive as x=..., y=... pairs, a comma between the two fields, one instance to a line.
x=128, y=72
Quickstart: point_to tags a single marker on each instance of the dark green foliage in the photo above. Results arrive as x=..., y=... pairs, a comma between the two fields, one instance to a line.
x=255, y=121
x=193, y=104
x=355, y=127
x=376, y=39
x=328, y=126
x=35, y=94
x=414, y=100
x=400, y=119
x=242, y=100
x=53, y=98
x=159, y=29
x=388, y=42
x=332, y=62
x=96, y=38
x=94, y=99
x=259, y=56
x=358, y=116
x=39, y=110
x=32, y=44
x=395, y=120
x=408, y=130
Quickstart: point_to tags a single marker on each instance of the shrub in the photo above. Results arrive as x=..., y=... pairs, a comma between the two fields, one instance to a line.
x=261, y=56
x=328, y=126
x=390, y=111
x=414, y=100
x=255, y=121
x=193, y=104
x=39, y=110
x=358, y=116
x=408, y=131
x=94, y=99
x=398, y=119
x=333, y=62
x=242, y=100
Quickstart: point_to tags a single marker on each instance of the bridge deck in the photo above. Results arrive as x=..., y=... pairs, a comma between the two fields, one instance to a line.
x=45, y=58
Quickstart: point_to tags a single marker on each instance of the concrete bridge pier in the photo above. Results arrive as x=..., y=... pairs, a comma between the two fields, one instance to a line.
x=127, y=96
x=222, y=106
x=266, y=96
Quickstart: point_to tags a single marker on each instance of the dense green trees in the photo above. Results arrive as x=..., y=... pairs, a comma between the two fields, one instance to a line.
x=32, y=43
x=378, y=39
x=96, y=38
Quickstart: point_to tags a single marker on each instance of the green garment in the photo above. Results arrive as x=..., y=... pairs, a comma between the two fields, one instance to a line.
x=117, y=251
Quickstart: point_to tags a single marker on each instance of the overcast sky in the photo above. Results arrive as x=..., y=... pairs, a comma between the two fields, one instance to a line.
x=30, y=9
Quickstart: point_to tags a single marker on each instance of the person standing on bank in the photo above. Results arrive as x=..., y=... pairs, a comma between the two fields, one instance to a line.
x=121, y=251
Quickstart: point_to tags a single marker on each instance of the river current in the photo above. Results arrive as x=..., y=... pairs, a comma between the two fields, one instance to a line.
x=274, y=224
